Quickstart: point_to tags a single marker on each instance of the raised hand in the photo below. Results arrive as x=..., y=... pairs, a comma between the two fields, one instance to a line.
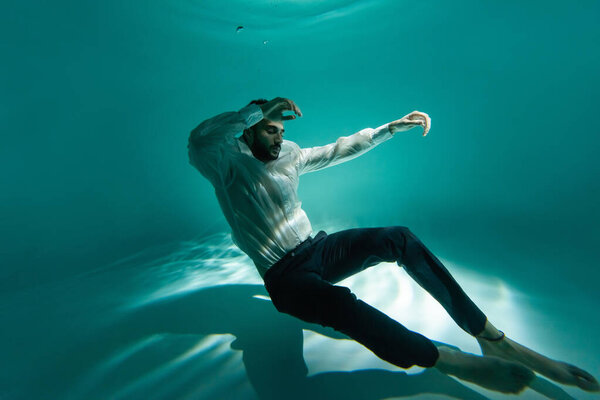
x=409, y=121
x=273, y=110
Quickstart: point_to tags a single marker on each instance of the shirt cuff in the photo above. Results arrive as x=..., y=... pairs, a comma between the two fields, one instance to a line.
x=381, y=134
x=251, y=114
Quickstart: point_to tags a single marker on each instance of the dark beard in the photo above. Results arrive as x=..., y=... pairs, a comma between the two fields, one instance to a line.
x=263, y=155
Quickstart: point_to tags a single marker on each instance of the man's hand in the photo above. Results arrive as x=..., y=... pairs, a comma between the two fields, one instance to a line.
x=273, y=110
x=411, y=120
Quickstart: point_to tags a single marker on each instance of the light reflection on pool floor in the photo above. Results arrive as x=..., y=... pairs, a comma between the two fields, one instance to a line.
x=192, y=320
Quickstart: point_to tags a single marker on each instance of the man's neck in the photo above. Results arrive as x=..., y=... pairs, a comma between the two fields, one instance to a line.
x=254, y=154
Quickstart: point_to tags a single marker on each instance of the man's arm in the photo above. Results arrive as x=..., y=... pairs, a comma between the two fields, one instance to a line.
x=348, y=147
x=223, y=127
x=344, y=149
x=208, y=141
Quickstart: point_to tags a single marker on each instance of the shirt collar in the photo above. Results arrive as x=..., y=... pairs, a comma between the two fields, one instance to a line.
x=244, y=147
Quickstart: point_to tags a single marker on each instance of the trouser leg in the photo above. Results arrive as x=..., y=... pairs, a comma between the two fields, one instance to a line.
x=308, y=297
x=306, y=290
x=350, y=251
x=429, y=272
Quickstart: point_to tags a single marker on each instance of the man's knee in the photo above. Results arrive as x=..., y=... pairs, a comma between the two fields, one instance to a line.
x=400, y=230
x=396, y=232
x=396, y=239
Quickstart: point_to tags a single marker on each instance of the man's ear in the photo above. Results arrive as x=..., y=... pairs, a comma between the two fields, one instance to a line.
x=249, y=136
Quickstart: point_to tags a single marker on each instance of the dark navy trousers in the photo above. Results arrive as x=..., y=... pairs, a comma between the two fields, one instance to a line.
x=302, y=284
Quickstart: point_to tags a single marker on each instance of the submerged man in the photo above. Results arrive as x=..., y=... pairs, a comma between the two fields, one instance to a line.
x=255, y=177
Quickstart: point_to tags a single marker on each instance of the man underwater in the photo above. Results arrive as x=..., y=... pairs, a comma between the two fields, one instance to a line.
x=255, y=177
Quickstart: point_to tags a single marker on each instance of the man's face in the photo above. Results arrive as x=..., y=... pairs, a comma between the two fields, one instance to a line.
x=267, y=141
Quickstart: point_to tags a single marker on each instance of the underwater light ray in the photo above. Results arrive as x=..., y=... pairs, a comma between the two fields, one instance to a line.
x=167, y=283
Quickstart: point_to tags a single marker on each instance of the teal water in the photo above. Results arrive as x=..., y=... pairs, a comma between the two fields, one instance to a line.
x=118, y=277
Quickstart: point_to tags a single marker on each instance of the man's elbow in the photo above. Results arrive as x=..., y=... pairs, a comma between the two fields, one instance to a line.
x=196, y=135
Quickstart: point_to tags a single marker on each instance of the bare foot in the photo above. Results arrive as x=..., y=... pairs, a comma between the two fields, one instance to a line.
x=556, y=370
x=489, y=372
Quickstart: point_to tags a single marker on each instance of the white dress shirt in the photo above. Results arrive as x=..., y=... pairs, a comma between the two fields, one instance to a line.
x=260, y=199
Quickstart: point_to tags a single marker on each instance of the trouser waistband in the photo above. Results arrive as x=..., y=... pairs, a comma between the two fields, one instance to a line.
x=296, y=250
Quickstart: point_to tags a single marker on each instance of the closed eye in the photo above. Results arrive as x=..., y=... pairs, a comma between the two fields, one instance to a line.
x=274, y=129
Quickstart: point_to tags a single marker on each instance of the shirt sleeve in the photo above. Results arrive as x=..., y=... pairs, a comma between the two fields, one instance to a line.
x=209, y=142
x=344, y=149
x=225, y=126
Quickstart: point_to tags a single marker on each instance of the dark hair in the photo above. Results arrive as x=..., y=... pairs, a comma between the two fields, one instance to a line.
x=258, y=102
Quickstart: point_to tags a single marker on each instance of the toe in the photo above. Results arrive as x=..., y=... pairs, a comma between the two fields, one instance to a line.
x=587, y=385
x=584, y=379
x=585, y=375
